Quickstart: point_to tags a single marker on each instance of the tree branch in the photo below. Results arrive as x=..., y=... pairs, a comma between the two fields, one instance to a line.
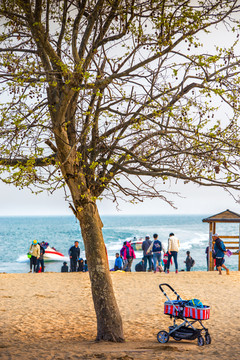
x=45, y=161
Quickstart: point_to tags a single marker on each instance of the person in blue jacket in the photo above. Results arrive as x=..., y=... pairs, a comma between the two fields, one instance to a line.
x=157, y=248
x=220, y=251
x=118, y=263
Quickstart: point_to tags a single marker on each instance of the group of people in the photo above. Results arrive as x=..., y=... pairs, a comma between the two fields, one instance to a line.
x=152, y=255
x=123, y=261
x=152, y=252
x=151, y=261
x=81, y=266
x=35, y=253
x=76, y=262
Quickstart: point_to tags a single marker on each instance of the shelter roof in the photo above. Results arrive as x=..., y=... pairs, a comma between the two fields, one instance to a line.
x=225, y=216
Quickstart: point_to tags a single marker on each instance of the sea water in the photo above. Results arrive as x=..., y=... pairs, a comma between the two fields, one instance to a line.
x=17, y=233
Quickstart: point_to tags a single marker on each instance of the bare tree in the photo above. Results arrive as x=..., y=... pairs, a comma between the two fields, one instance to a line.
x=112, y=97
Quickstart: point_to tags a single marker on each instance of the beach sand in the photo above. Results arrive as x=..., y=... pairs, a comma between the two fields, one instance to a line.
x=51, y=316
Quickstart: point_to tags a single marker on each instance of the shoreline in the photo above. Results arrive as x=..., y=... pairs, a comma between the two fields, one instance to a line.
x=51, y=316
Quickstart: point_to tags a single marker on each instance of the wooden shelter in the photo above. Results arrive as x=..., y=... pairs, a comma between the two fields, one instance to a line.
x=226, y=216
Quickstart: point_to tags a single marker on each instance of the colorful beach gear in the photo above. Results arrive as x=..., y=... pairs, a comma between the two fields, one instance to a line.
x=192, y=312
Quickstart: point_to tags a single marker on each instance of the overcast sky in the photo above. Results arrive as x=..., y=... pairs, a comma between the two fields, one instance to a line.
x=195, y=200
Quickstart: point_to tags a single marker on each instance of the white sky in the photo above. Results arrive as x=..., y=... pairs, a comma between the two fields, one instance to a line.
x=197, y=200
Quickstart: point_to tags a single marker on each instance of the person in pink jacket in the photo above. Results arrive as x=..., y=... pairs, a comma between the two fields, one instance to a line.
x=128, y=255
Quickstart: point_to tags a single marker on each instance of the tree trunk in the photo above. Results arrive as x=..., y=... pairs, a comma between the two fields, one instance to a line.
x=109, y=322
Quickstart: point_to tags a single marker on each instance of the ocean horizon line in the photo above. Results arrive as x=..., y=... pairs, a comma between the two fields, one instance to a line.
x=113, y=215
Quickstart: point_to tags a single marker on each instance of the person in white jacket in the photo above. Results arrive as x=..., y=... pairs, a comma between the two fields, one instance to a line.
x=173, y=248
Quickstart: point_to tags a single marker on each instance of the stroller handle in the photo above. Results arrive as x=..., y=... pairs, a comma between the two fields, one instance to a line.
x=161, y=285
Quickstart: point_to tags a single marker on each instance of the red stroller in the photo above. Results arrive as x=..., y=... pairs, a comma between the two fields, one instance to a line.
x=181, y=309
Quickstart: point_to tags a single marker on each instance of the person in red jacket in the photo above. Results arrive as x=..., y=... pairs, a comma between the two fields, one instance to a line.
x=128, y=255
x=165, y=261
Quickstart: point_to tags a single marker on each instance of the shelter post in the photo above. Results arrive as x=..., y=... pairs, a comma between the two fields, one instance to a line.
x=210, y=258
x=239, y=250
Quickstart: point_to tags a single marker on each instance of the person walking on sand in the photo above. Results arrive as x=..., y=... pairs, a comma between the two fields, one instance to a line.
x=173, y=248
x=147, y=255
x=220, y=251
x=74, y=255
x=34, y=251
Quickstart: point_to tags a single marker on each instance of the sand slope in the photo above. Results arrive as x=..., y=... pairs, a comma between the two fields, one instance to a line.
x=51, y=316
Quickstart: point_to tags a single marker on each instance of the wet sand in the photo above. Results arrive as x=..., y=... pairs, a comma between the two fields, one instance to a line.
x=51, y=316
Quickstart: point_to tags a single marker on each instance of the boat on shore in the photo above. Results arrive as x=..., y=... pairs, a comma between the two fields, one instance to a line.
x=51, y=254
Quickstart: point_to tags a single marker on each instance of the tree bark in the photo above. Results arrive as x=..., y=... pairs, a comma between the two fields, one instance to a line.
x=109, y=322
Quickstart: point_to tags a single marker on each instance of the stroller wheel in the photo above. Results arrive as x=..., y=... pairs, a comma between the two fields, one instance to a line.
x=200, y=341
x=162, y=337
x=208, y=339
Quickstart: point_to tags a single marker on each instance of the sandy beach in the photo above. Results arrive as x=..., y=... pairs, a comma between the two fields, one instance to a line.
x=51, y=316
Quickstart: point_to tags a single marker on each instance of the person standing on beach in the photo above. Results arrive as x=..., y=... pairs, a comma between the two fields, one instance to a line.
x=74, y=255
x=128, y=256
x=34, y=251
x=41, y=259
x=173, y=248
x=220, y=251
x=157, y=248
x=189, y=261
x=122, y=252
x=147, y=255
